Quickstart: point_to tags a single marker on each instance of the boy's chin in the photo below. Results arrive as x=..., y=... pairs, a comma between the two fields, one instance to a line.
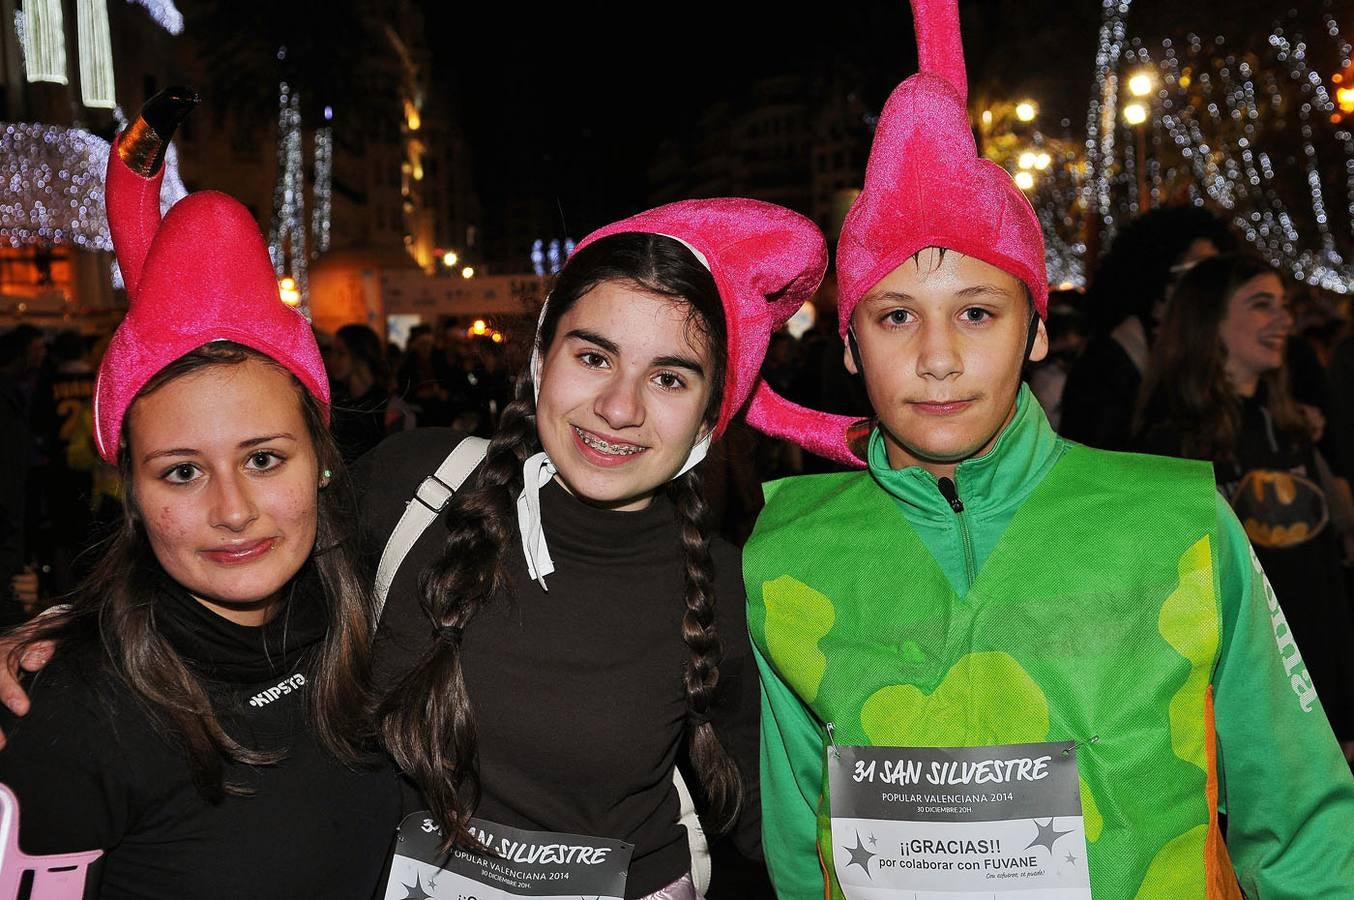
x=926, y=451
x=945, y=455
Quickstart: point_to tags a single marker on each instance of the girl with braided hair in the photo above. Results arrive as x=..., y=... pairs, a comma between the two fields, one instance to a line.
x=554, y=647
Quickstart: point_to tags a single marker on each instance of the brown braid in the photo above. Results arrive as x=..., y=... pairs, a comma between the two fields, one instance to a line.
x=718, y=773
x=427, y=720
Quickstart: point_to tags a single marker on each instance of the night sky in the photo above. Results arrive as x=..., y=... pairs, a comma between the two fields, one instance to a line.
x=575, y=99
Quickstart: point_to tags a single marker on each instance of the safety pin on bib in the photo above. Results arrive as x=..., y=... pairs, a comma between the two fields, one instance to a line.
x=836, y=751
x=1093, y=739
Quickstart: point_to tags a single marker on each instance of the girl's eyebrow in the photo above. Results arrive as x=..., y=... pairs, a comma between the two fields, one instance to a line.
x=593, y=337
x=250, y=442
x=674, y=362
x=176, y=451
x=680, y=362
x=263, y=439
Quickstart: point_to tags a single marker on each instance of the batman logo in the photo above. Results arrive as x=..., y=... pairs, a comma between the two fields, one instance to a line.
x=1279, y=509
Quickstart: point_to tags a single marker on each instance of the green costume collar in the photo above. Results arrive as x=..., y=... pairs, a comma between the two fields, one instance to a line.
x=989, y=485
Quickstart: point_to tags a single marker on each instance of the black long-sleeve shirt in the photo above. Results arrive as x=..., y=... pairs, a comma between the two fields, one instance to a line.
x=577, y=691
x=92, y=770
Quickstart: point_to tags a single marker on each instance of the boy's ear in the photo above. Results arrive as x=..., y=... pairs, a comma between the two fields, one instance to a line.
x=849, y=359
x=851, y=353
x=1039, y=345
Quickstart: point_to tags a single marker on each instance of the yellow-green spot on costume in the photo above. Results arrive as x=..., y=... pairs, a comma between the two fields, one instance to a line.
x=1190, y=624
x=1007, y=707
x=797, y=617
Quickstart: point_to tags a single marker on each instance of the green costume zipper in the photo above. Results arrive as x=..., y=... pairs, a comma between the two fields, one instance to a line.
x=950, y=491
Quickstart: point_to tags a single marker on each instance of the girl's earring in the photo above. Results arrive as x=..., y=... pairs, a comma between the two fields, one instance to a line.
x=324, y=478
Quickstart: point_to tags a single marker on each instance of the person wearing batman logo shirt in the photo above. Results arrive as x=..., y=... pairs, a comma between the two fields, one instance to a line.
x=1216, y=389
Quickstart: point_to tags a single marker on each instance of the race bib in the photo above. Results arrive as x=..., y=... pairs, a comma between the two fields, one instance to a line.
x=933, y=822
x=538, y=864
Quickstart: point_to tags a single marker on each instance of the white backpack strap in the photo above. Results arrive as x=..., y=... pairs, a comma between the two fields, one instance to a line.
x=423, y=509
x=695, y=834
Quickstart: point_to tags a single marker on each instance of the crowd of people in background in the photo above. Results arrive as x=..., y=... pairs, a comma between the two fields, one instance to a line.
x=1184, y=345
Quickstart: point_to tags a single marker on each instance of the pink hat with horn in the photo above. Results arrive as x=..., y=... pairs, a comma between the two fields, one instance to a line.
x=767, y=262
x=926, y=186
x=200, y=275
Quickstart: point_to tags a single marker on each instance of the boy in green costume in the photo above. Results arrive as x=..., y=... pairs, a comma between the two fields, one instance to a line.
x=990, y=585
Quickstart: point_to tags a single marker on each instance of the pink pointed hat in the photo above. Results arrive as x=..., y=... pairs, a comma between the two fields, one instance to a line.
x=767, y=262
x=926, y=186
x=200, y=275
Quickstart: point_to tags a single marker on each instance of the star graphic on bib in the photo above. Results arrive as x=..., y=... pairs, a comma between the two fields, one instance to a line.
x=860, y=856
x=1072, y=859
x=1046, y=836
x=874, y=841
x=415, y=890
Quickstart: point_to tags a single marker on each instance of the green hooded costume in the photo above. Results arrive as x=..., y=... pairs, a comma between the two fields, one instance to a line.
x=1102, y=599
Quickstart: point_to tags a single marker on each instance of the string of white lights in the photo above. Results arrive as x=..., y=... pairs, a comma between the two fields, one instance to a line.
x=1101, y=116
x=165, y=14
x=322, y=215
x=287, y=233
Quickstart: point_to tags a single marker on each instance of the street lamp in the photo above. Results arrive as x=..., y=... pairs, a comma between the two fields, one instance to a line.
x=1026, y=110
x=1024, y=180
x=450, y=258
x=286, y=289
x=1135, y=114
x=1140, y=84
x=1344, y=97
x=1034, y=159
x=468, y=272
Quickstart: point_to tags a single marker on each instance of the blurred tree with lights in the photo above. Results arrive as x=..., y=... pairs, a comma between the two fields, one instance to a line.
x=1258, y=127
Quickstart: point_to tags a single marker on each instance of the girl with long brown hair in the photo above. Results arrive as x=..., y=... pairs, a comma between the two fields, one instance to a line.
x=570, y=630
x=207, y=722
x=1216, y=389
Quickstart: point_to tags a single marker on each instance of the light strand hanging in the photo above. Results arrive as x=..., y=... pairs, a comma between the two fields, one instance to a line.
x=287, y=234
x=1100, y=116
x=321, y=216
x=97, y=90
x=165, y=14
x=44, y=41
